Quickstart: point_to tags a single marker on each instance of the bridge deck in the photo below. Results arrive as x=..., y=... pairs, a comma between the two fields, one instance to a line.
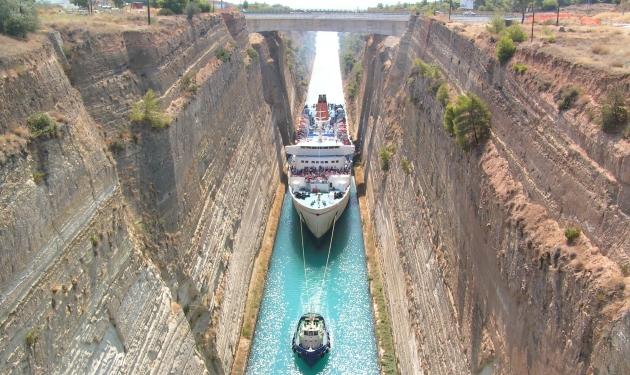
x=373, y=23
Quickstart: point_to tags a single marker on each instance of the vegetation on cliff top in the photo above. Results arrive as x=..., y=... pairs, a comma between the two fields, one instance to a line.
x=18, y=17
x=615, y=115
x=146, y=111
x=572, y=233
x=468, y=119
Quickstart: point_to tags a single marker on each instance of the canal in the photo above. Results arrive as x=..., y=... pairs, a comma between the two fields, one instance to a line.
x=343, y=298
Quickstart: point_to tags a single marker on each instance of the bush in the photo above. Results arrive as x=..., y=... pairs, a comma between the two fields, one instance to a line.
x=204, y=7
x=516, y=33
x=497, y=24
x=550, y=4
x=32, y=336
x=386, y=156
x=18, y=17
x=520, y=68
x=469, y=120
x=116, y=146
x=406, y=166
x=442, y=95
x=191, y=9
x=572, y=233
x=614, y=112
x=41, y=125
x=224, y=55
x=252, y=53
x=39, y=177
x=505, y=49
x=147, y=111
x=165, y=12
x=175, y=6
x=567, y=97
x=189, y=82
x=430, y=72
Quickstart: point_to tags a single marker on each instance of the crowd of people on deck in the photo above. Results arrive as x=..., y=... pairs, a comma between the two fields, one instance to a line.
x=318, y=173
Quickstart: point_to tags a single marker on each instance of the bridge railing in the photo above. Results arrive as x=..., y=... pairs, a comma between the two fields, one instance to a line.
x=302, y=11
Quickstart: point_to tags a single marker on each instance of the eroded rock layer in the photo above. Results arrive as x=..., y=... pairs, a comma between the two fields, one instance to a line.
x=478, y=273
x=125, y=248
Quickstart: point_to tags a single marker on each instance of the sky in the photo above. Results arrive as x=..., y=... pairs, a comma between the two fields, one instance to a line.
x=331, y=4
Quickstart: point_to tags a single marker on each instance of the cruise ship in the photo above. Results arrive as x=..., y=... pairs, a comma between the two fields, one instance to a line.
x=320, y=166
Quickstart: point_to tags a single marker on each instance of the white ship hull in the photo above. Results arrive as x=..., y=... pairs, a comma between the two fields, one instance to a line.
x=320, y=220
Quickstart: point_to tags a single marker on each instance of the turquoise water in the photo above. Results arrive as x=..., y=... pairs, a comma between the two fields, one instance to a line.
x=344, y=301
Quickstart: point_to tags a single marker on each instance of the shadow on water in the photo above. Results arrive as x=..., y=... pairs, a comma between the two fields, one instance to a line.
x=308, y=370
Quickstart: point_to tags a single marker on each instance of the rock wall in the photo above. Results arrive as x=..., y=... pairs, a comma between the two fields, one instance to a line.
x=476, y=264
x=125, y=248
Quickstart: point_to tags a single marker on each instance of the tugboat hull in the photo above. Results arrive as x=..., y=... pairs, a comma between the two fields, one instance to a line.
x=311, y=356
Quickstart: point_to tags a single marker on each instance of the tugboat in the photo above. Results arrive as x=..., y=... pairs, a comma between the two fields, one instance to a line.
x=311, y=340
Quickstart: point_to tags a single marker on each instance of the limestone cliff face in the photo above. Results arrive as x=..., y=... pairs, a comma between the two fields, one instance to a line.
x=125, y=248
x=475, y=261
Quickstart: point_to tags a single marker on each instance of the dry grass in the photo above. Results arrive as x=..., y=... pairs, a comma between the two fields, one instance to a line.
x=257, y=283
x=13, y=143
x=384, y=334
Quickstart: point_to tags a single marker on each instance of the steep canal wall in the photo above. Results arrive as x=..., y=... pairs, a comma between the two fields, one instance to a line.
x=471, y=244
x=123, y=247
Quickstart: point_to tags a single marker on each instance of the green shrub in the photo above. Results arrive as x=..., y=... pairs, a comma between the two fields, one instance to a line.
x=116, y=146
x=39, y=177
x=94, y=240
x=189, y=82
x=31, y=338
x=41, y=125
x=469, y=120
x=505, y=49
x=566, y=97
x=430, y=72
x=191, y=9
x=614, y=112
x=175, y=6
x=406, y=166
x=223, y=54
x=204, y=7
x=252, y=53
x=147, y=111
x=497, y=24
x=165, y=12
x=449, y=116
x=442, y=95
x=549, y=5
x=516, y=33
x=18, y=17
x=520, y=68
x=386, y=156
x=572, y=233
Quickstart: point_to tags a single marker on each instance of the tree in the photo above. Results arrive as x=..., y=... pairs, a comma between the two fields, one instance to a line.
x=245, y=5
x=469, y=120
x=177, y=6
x=17, y=18
x=119, y=3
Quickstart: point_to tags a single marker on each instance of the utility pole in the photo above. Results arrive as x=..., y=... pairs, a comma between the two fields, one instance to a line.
x=450, y=6
x=533, y=16
x=149, y=11
x=558, y=15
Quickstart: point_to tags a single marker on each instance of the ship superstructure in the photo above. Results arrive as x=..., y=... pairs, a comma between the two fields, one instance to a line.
x=320, y=166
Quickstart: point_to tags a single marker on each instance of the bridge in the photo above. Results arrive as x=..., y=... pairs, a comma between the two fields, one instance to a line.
x=368, y=23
